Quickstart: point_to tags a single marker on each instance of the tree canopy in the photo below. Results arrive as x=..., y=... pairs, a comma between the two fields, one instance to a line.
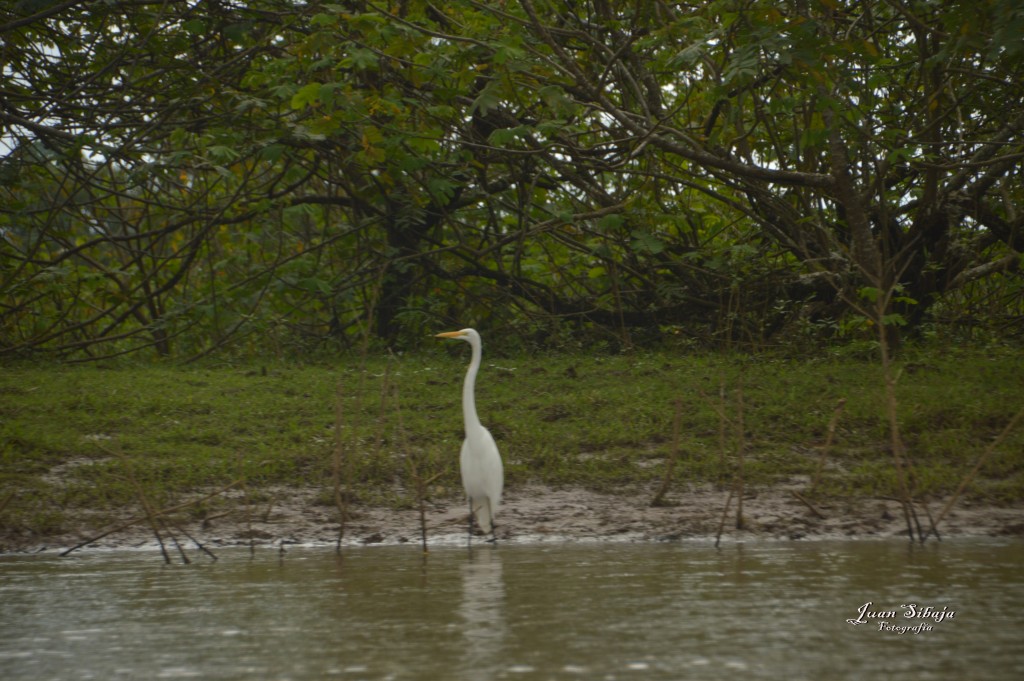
x=196, y=176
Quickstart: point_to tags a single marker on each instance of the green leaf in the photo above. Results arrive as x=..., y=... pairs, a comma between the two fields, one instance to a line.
x=644, y=242
x=272, y=152
x=612, y=222
x=308, y=95
x=238, y=31
x=328, y=94
x=869, y=293
x=222, y=153
x=551, y=128
x=486, y=100
x=424, y=145
x=296, y=216
x=329, y=20
x=195, y=26
x=441, y=189
x=894, y=319
x=553, y=95
x=505, y=54
x=361, y=59
x=502, y=136
x=688, y=56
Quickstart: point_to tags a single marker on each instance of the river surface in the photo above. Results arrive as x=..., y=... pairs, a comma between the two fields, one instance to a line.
x=546, y=611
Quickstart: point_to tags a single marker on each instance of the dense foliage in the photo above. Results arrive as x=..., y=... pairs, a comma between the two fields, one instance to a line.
x=262, y=175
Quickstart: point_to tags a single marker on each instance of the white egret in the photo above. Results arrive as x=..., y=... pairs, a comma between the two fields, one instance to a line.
x=479, y=463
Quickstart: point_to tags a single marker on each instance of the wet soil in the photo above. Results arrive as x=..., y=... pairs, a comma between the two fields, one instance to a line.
x=536, y=513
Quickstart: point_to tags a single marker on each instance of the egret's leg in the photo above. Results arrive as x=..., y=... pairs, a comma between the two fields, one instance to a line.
x=469, y=525
x=494, y=526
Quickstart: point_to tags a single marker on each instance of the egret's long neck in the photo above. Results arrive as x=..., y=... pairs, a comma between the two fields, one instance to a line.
x=468, y=389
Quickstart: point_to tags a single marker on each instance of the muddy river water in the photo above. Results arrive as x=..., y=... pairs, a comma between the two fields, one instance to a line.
x=683, y=610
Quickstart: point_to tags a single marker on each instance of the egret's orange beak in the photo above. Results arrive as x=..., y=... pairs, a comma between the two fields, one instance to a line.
x=450, y=334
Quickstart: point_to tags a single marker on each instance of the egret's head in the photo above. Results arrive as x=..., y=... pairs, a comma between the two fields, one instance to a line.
x=467, y=335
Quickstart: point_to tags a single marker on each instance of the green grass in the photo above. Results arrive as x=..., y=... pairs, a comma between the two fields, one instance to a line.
x=72, y=439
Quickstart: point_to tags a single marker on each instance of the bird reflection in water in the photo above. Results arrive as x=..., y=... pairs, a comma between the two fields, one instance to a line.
x=482, y=610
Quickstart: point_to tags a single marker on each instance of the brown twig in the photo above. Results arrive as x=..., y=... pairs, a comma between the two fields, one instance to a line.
x=248, y=509
x=419, y=484
x=338, y=466
x=140, y=493
x=143, y=518
x=666, y=481
x=208, y=519
x=827, y=447
x=721, y=522
x=808, y=504
x=901, y=464
x=177, y=544
x=723, y=419
x=982, y=458
x=265, y=516
x=195, y=541
x=248, y=520
x=385, y=394
x=343, y=465
x=741, y=445
x=720, y=408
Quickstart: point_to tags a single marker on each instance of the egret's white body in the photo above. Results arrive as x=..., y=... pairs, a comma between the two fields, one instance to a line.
x=479, y=462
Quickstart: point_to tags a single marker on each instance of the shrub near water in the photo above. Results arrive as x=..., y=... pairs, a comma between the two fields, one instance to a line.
x=73, y=439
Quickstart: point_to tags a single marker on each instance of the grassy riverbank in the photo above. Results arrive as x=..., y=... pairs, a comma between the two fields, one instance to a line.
x=77, y=440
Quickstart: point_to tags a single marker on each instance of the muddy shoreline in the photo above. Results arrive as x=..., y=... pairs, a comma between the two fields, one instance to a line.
x=535, y=513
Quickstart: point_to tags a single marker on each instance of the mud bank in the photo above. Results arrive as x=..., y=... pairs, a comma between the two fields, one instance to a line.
x=536, y=513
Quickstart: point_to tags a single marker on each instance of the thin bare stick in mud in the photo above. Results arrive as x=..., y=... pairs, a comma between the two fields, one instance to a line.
x=140, y=494
x=199, y=544
x=248, y=521
x=419, y=484
x=720, y=407
x=144, y=518
x=741, y=446
x=802, y=499
x=248, y=511
x=174, y=540
x=666, y=481
x=725, y=514
x=982, y=458
x=340, y=471
x=896, y=441
x=344, y=458
x=827, y=447
x=723, y=421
